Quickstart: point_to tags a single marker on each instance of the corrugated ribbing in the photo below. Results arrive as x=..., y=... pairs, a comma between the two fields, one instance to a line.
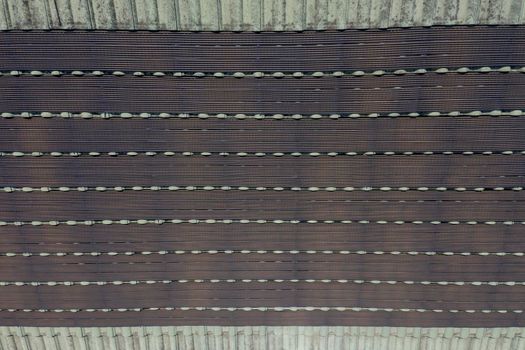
x=339, y=178
x=368, y=94
x=262, y=337
x=350, y=50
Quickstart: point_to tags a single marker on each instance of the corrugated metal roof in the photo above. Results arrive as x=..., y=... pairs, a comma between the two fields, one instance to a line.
x=254, y=14
x=259, y=338
x=144, y=191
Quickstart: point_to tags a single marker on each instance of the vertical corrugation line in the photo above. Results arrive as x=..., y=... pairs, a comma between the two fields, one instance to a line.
x=259, y=338
x=376, y=14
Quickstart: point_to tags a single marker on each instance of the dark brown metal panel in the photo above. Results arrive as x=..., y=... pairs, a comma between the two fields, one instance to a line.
x=288, y=205
x=263, y=266
x=455, y=168
x=230, y=52
x=266, y=318
x=342, y=171
x=262, y=294
x=369, y=94
x=216, y=135
x=107, y=238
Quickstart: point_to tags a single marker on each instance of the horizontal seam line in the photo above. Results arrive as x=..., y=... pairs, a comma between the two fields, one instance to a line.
x=247, y=221
x=262, y=74
x=254, y=154
x=206, y=188
x=260, y=252
x=241, y=116
x=265, y=308
x=340, y=281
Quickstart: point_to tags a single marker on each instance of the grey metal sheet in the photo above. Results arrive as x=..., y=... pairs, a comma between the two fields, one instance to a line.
x=254, y=14
x=259, y=338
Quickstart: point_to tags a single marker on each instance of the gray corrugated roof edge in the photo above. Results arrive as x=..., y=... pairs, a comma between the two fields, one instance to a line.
x=243, y=338
x=254, y=15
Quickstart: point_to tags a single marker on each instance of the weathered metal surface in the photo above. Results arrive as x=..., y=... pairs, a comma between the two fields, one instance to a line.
x=260, y=338
x=426, y=93
x=401, y=171
x=248, y=317
x=389, y=51
x=404, y=238
x=192, y=15
x=383, y=198
x=215, y=135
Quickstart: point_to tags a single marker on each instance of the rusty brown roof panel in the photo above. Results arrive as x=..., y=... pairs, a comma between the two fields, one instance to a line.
x=304, y=206
x=403, y=209
x=429, y=92
x=270, y=294
x=267, y=52
x=124, y=238
x=269, y=318
x=435, y=170
x=455, y=134
x=269, y=265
